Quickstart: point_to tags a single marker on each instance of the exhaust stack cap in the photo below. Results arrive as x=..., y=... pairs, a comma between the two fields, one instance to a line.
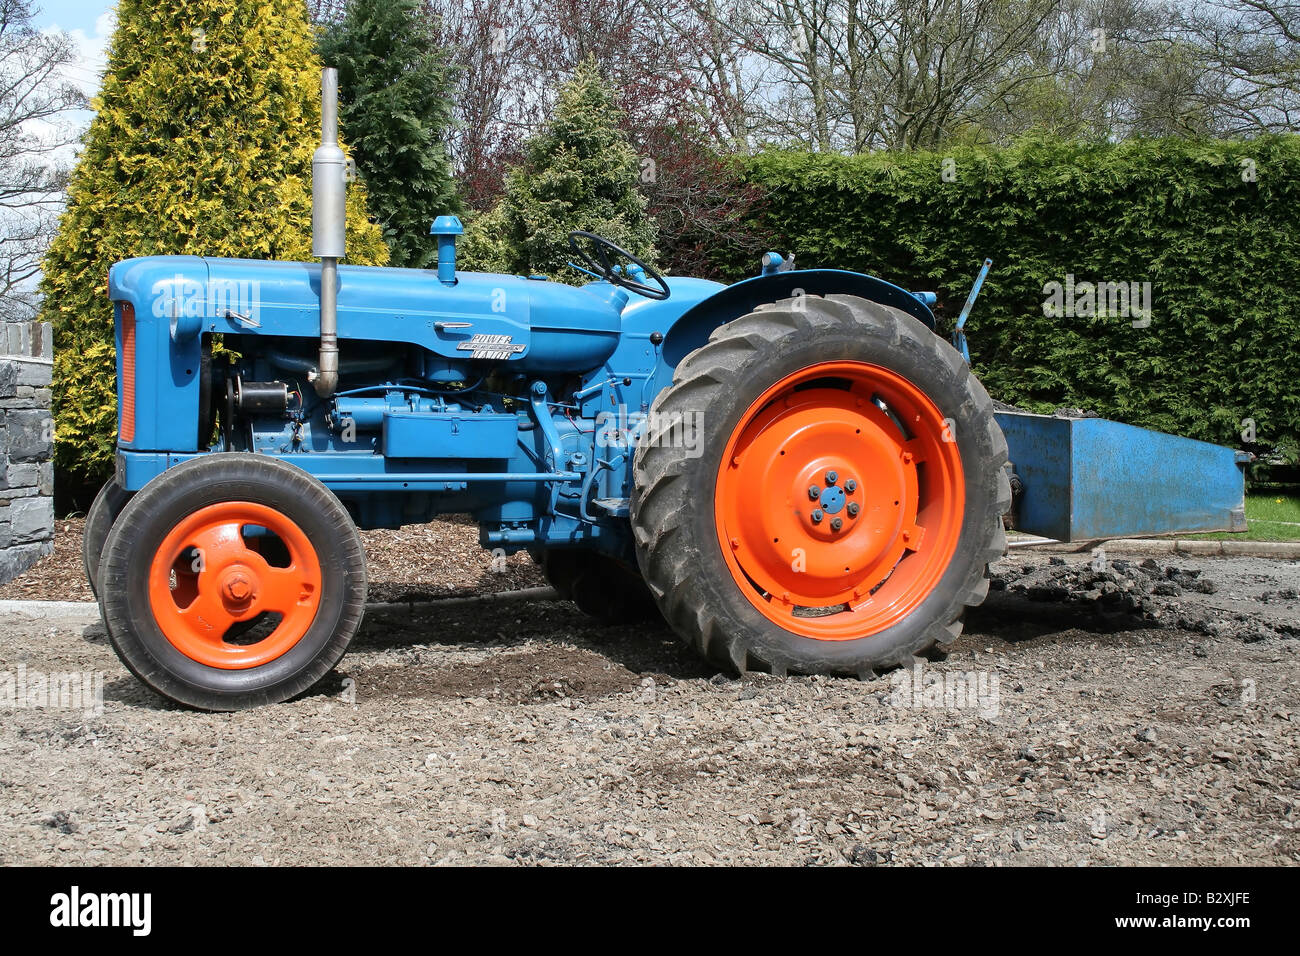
x=328, y=188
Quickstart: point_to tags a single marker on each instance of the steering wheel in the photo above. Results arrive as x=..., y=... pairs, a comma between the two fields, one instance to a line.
x=603, y=258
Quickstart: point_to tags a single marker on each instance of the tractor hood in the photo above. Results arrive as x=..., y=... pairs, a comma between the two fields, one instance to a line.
x=543, y=326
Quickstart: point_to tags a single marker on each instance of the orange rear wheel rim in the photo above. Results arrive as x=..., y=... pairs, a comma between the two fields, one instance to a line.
x=208, y=576
x=839, y=500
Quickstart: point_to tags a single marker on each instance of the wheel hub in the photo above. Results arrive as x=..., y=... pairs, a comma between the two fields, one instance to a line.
x=833, y=500
x=207, y=577
x=239, y=586
x=831, y=485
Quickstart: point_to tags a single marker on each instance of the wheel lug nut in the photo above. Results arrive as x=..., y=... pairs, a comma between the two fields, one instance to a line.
x=817, y=516
x=237, y=589
x=853, y=509
x=831, y=477
x=850, y=486
x=814, y=492
x=836, y=524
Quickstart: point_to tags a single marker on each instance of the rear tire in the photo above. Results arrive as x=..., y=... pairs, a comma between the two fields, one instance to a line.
x=844, y=385
x=108, y=504
x=211, y=612
x=601, y=587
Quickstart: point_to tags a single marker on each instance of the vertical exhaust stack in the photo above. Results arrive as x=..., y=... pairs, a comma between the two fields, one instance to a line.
x=328, y=229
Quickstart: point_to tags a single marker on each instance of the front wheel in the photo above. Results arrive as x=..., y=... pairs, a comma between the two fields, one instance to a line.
x=847, y=500
x=108, y=504
x=231, y=581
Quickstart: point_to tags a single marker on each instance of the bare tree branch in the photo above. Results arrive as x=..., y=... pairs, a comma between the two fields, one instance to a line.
x=34, y=96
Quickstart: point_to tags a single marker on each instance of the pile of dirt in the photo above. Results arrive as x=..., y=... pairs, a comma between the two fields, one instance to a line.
x=1126, y=592
x=60, y=575
x=564, y=673
x=441, y=559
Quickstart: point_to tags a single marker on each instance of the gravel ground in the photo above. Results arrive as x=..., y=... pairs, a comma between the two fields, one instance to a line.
x=1079, y=727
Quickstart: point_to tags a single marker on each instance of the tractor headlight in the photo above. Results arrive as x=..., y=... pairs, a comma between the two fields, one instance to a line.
x=184, y=325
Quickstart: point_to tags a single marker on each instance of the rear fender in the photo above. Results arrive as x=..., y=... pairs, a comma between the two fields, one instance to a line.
x=695, y=326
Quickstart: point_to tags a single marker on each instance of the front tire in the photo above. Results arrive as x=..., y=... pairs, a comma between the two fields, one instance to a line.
x=846, y=498
x=232, y=581
x=108, y=504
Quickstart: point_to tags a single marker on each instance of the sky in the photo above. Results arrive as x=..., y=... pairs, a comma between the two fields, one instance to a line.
x=90, y=22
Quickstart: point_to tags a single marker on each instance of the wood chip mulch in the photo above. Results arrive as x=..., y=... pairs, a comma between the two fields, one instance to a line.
x=440, y=559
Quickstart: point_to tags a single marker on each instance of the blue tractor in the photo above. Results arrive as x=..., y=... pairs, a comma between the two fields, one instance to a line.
x=794, y=470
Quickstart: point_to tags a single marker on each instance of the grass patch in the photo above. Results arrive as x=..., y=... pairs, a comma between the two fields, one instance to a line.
x=1270, y=517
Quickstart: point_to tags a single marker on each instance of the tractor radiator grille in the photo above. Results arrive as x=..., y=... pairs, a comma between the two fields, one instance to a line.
x=126, y=414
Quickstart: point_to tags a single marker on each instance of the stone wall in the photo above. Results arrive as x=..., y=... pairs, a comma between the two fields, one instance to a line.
x=26, y=444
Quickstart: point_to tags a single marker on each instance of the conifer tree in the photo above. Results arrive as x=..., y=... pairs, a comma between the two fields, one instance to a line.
x=579, y=172
x=201, y=144
x=396, y=108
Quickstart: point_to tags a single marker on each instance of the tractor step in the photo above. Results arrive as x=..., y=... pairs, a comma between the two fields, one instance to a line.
x=614, y=507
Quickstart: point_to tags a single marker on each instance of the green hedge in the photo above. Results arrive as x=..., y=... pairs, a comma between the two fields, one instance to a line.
x=1222, y=255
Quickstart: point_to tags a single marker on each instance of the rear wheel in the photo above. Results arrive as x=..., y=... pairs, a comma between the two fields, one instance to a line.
x=601, y=587
x=848, y=498
x=108, y=504
x=232, y=581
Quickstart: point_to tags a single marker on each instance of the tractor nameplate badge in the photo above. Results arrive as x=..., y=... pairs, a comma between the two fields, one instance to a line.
x=494, y=347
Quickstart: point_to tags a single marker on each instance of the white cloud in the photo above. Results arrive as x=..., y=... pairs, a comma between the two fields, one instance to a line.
x=85, y=73
x=92, y=52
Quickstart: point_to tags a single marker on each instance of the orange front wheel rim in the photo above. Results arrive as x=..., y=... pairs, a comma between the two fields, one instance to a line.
x=839, y=500
x=219, y=601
